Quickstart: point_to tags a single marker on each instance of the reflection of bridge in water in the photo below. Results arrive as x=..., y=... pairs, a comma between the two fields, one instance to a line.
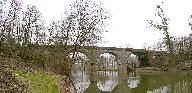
x=113, y=84
x=157, y=83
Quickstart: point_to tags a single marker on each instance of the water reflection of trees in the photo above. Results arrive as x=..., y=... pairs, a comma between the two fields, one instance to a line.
x=163, y=89
x=80, y=72
x=183, y=87
x=81, y=81
x=133, y=80
x=107, y=80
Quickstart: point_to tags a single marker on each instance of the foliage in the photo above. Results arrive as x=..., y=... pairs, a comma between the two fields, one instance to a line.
x=143, y=57
x=183, y=48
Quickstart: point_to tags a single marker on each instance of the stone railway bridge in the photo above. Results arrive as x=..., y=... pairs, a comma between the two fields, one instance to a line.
x=121, y=54
x=93, y=53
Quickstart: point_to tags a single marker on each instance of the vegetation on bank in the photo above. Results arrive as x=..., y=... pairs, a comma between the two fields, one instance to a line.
x=41, y=82
x=27, y=45
x=176, y=51
x=10, y=83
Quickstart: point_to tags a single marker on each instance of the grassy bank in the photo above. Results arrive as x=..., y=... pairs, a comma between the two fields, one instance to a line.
x=41, y=82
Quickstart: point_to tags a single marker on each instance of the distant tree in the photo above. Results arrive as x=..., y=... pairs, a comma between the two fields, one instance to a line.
x=190, y=38
x=183, y=46
x=190, y=21
x=32, y=28
x=2, y=27
x=133, y=61
x=163, y=26
x=10, y=17
x=143, y=58
x=2, y=6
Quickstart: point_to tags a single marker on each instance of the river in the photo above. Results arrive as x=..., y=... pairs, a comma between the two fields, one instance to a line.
x=117, y=82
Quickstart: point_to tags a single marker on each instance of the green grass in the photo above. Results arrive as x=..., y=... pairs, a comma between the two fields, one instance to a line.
x=41, y=82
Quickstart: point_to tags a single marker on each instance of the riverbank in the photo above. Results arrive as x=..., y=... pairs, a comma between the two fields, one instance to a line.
x=34, y=81
x=45, y=82
x=147, y=70
x=41, y=82
x=163, y=69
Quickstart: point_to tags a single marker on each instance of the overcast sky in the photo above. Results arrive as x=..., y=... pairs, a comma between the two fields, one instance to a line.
x=128, y=24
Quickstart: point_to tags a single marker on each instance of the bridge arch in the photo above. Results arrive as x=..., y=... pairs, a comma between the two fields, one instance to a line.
x=111, y=53
x=108, y=61
x=79, y=55
x=133, y=60
x=86, y=52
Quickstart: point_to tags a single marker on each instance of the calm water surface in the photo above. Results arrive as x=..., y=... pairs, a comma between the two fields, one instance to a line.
x=116, y=82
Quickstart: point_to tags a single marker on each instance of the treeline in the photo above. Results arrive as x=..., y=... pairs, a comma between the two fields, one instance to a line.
x=26, y=43
x=179, y=49
x=182, y=52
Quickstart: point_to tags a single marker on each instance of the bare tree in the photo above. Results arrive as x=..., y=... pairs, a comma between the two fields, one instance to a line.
x=163, y=26
x=32, y=28
x=83, y=24
x=10, y=19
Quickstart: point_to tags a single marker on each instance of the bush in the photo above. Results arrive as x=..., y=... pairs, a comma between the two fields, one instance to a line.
x=39, y=58
x=10, y=84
